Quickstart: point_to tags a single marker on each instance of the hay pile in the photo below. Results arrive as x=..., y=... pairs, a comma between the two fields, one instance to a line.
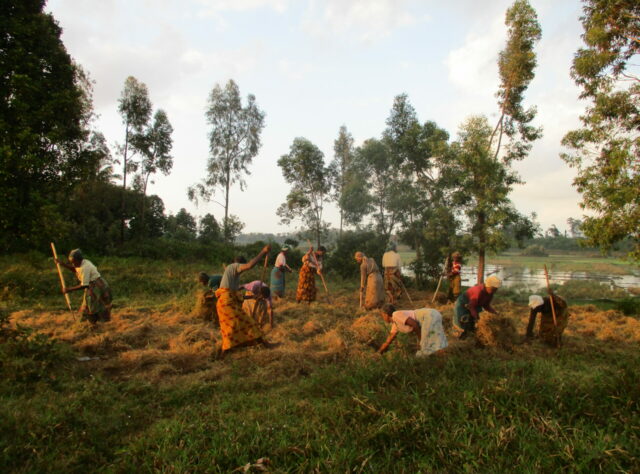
x=169, y=343
x=496, y=331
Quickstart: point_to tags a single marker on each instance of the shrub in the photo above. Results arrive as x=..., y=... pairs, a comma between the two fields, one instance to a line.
x=535, y=251
x=341, y=259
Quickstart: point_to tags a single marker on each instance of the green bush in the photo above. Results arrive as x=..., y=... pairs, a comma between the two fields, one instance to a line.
x=341, y=259
x=535, y=251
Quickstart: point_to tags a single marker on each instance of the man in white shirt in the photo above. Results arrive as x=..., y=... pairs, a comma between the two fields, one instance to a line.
x=392, y=263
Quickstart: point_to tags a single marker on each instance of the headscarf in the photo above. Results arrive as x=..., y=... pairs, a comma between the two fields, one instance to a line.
x=391, y=246
x=75, y=254
x=285, y=248
x=455, y=255
x=493, y=282
x=535, y=301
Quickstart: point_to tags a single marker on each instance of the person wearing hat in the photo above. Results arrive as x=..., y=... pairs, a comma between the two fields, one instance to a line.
x=392, y=263
x=472, y=302
x=549, y=332
x=278, y=271
x=455, y=280
x=208, y=297
x=96, y=303
x=371, y=286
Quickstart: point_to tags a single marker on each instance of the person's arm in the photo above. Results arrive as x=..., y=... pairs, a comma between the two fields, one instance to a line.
x=387, y=343
x=69, y=289
x=532, y=322
x=68, y=266
x=252, y=263
x=488, y=306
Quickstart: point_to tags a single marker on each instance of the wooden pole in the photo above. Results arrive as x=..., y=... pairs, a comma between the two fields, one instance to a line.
x=264, y=267
x=62, y=283
x=553, y=308
x=315, y=260
x=446, y=260
x=406, y=292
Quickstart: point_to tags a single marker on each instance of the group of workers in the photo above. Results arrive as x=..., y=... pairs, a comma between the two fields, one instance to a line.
x=241, y=317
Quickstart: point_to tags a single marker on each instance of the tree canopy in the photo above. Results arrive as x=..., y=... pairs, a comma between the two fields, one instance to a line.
x=606, y=150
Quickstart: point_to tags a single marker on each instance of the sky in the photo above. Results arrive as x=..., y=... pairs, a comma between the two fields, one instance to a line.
x=314, y=65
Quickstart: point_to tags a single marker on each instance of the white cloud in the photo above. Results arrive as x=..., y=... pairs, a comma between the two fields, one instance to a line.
x=213, y=7
x=472, y=67
x=367, y=20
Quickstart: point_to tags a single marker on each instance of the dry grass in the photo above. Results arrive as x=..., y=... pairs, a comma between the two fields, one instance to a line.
x=162, y=345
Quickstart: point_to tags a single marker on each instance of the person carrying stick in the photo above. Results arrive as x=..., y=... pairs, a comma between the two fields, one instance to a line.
x=549, y=332
x=392, y=263
x=96, y=304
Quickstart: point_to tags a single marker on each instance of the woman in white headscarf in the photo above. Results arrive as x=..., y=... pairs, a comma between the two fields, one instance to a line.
x=550, y=331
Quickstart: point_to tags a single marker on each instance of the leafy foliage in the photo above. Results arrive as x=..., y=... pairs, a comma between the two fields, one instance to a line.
x=234, y=141
x=606, y=150
x=303, y=167
x=42, y=108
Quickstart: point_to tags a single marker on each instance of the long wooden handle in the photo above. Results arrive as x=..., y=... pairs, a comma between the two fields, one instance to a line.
x=264, y=267
x=553, y=309
x=446, y=260
x=62, y=284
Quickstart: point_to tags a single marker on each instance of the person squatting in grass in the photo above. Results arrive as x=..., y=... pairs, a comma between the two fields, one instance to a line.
x=425, y=323
x=371, y=286
x=472, y=302
x=392, y=263
x=236, y=327
x=311, y=264
x=548, y=331
x=257, y=302
x=96, y=303
x=212, y=283
x=455, y=280
x=278, y=271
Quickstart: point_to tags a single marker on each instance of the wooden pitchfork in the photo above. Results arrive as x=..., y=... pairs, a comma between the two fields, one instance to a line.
x=553, y=308
x=62, y=283
x=315, y=260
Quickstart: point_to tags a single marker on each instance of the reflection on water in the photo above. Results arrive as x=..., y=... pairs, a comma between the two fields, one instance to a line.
x=533, y=279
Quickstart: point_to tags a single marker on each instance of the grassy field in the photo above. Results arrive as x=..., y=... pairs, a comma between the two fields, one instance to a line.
x=144, y=393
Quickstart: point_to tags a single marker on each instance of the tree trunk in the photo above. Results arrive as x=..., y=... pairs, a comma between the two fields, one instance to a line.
x=481, y=246
x=124, y=181
x=226, y=208
x=144, y=198
x=340, y=232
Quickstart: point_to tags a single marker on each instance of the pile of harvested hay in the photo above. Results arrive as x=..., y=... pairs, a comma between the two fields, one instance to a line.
x=496, y=331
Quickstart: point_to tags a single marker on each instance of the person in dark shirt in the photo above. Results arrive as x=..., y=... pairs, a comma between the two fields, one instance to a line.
x=472, y=302
x=549, y=332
